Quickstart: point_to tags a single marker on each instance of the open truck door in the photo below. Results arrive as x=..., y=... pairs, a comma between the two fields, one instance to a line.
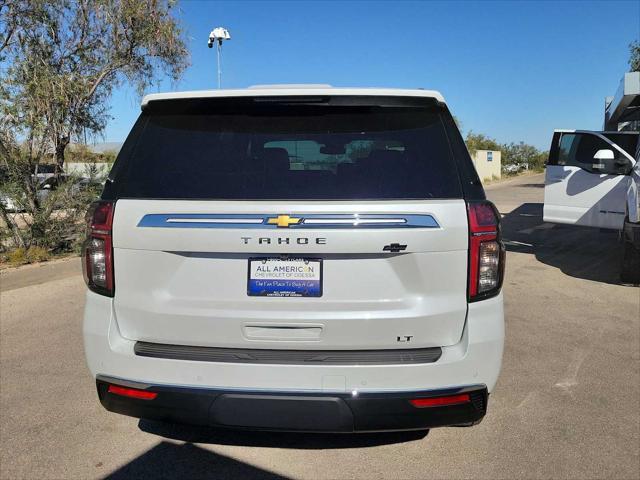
x=587, y=178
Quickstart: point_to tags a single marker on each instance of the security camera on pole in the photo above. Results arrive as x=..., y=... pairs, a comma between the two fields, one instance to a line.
x=217, y=36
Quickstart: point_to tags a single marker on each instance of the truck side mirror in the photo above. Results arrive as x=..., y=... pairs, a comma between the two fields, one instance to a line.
x=604, y=161
x=604, y=154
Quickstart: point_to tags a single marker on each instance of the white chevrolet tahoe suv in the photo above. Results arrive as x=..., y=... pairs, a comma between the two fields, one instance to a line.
x=310, y=259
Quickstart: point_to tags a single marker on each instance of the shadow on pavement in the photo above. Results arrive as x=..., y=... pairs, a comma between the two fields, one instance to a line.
x=304, y=441
x=580, y=252
x=168, y=460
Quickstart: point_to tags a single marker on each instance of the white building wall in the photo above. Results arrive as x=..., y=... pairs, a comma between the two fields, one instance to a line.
x=83, y=169
x=488, y=164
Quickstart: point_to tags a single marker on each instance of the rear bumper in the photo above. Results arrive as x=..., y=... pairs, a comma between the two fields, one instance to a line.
x=316, y=412
x=188, y=389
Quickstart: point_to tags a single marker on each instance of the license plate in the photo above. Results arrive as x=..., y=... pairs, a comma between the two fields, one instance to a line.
x=288, y=277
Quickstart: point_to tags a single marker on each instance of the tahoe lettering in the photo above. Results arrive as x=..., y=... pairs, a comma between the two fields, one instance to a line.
x=284, y=241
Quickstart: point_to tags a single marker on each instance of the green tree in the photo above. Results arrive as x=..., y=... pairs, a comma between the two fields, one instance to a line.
x=478, y=141
x=523, y=155
x=65, y=57
x=60, y=61
x=634, y=56
x=519, y=154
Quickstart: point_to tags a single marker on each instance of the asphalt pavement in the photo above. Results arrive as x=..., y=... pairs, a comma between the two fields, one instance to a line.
x=567, y=404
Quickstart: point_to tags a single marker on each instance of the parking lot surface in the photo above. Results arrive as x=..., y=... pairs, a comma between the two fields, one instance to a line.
x=567, y=404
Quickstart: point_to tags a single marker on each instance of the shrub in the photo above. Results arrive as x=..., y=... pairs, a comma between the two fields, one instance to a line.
x=17, y=256
x=37, y=254
x=22, y=256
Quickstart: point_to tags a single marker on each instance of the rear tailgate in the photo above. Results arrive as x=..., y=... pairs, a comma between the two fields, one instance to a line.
x=187, y=284
x=369, y=192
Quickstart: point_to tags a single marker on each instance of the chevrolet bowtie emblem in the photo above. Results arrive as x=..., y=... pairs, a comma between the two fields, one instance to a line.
x=283, y=221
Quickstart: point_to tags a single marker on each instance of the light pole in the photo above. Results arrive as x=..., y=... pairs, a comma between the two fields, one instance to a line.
x=217, y=36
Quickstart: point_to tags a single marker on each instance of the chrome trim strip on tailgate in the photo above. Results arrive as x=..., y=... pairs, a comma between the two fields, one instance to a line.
x=311, y=221
x=288, y=357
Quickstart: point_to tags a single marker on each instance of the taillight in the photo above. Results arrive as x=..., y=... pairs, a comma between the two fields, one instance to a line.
x=132, y=392
x=486, y=251
x=97, y=264
x=440, y=401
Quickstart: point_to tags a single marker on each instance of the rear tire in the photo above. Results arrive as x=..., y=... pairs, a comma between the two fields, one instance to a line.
x=630, y=272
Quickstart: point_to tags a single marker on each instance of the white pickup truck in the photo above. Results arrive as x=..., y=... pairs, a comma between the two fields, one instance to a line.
x=593, y=179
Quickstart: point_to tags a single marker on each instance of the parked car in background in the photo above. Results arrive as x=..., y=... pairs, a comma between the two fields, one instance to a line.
x=43, y=171
x=5, y=198
x=78, y=184
x=49, y=184
x=514, y=168
x=8, y=202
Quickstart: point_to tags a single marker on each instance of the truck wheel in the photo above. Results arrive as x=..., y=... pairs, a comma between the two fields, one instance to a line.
x=631, y=258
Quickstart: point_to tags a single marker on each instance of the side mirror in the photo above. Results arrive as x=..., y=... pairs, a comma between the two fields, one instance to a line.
x=605, y=162
x=604, y=154
x=602, y=160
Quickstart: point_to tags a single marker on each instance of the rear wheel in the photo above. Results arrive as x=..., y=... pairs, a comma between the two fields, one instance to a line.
x=630, y=272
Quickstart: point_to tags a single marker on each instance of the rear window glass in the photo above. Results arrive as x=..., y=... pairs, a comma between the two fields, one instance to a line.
x=269, y=151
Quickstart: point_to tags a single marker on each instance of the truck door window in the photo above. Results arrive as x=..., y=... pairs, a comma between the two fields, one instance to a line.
x=578, y=149
x=627, y=141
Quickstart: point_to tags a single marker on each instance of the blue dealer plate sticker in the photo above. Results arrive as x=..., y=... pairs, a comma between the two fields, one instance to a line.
x=290, y=277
